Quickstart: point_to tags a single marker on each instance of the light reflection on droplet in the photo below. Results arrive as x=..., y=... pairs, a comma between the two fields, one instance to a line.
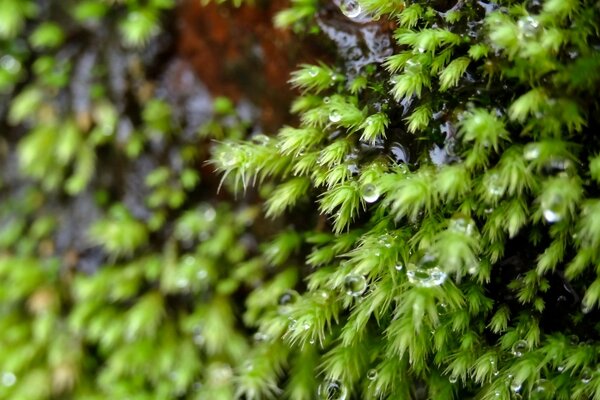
x=332, y=390
x=370, y=193
x=519, y=348
x=355, y=285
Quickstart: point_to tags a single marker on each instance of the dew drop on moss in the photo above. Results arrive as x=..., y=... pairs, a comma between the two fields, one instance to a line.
x=552, y=209
x=350, y=8
x=586, y=375
x=370, y=193
x=453, y=379
x=542, y=390
x=313, y=71
x=399, y=267
x=515, y=386
x=332, y=390
x=372, y=374
x=519, y=348
x=531, y=151
x=427, y=273
x=261, y=337
x=335, y=117
x=355, y=285
x=287, y=299
x=8, y=379
x=463, y=225
x=10, y=64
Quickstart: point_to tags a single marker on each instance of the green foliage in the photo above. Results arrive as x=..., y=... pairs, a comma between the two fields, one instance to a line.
x=432, y=222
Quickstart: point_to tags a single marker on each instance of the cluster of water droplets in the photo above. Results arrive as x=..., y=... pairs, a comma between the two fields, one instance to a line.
x=426, y=273
x=332, y=390
x=359, y=43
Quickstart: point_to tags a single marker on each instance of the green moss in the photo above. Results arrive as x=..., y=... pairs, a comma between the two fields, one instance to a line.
x=432, y=221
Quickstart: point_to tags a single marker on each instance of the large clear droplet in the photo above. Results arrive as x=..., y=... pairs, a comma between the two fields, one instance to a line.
x=553, y=209
x=412, y=66
x=493, y=185
x=350, y=8
x=372, y=374
x=515, y=386
x=586, y=375
x=528, y=26
x=453, y=378
x=10, y=64
x=370, y=193
x=355, y=285
x=542, y=390
x=8, y=379
x=519, y=348
x=332, y=390
x=335, y=117
x=427, y=273
x=531, y=151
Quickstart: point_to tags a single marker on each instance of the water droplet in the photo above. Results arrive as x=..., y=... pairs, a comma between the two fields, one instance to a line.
x=355, y=285
x=10, y=64
x=585, y=309
x=519, y=348
x=463, y=225
x=335, y=117
x=260, y=337
x=198, y=336
x=313, y=71
x=332, y=390
x=586, y=375
x=573, y=340
x=400, y=153
x=8, y=379
x=493, y=185
x=220, y=373
x=558, y=166
x=370, y=193
x=561, y=368
x=553, y=208
x=372, y=374
x=412, y=67
x=453, y=378
x=286, y=300
x=399, y=267
x=228, y=159
x=442, y=309
x=528, y=26
x=350, y=8
x=515, y=386
x=531, y=151
x=542, y=390
x=311, y=341
x=427, y=273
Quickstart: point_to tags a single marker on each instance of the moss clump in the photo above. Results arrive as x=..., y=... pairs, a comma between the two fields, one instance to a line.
x=435, y=227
